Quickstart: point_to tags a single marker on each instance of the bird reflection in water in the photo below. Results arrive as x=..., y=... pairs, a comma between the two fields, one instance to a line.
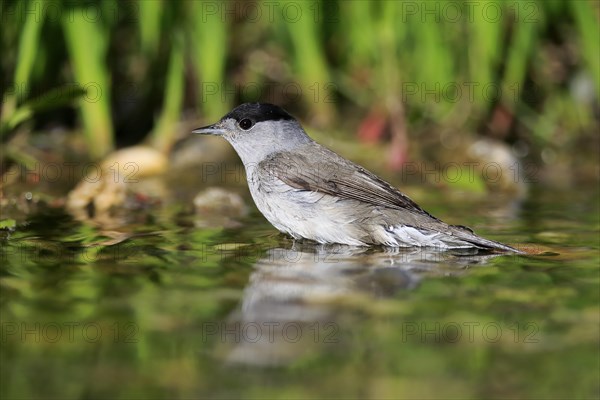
x=300, y=299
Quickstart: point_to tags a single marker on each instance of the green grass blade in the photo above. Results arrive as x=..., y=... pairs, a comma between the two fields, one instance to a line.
x=28, y=46
x=589, y=31
x=149, y=25
x=208, y=41
x=164, y=133
x=310, y=63
x=86, y=43
x=50, y=100
x=519, y=52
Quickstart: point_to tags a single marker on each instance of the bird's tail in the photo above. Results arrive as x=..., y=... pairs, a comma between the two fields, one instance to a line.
x=466, y=234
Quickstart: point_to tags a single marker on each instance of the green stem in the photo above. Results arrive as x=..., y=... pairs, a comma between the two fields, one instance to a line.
x=87, y=49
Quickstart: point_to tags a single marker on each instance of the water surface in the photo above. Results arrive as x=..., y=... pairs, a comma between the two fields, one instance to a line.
x=161, y=308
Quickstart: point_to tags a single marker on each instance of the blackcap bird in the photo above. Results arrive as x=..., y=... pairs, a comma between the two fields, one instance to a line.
x=310, y=192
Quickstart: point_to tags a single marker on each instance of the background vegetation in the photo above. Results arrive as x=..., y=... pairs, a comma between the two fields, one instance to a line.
x=422, y=80
x=124, y=71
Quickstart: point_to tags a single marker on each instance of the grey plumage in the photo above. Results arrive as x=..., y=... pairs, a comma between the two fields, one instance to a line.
x=309, y=191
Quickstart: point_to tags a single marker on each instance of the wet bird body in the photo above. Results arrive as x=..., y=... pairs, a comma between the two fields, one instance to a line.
x=310, y=192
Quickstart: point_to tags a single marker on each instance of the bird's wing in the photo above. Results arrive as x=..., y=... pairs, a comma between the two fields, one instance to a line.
x=336, y=176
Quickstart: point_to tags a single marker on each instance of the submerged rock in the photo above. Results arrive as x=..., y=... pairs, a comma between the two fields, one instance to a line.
x=500, y=169
x=120, y=183
x=219, y=207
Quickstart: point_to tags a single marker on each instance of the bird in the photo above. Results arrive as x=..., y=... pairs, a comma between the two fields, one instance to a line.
x=310, y=192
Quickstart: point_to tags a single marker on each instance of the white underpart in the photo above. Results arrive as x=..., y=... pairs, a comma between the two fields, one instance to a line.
x=326, y=219
x=408, y=236
x=298, y=216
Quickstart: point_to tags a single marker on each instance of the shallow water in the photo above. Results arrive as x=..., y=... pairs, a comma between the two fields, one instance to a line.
x=169, y=310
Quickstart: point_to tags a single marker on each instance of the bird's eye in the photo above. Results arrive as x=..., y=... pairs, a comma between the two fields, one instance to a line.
x=246, y=124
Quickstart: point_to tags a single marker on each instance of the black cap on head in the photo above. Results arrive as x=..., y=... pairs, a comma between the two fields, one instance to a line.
x=258, y=112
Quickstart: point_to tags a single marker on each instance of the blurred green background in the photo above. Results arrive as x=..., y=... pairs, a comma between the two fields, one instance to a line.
x=406, y=85
x=394, y=72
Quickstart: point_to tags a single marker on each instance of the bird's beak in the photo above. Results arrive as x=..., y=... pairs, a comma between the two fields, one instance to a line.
x=214, y=129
